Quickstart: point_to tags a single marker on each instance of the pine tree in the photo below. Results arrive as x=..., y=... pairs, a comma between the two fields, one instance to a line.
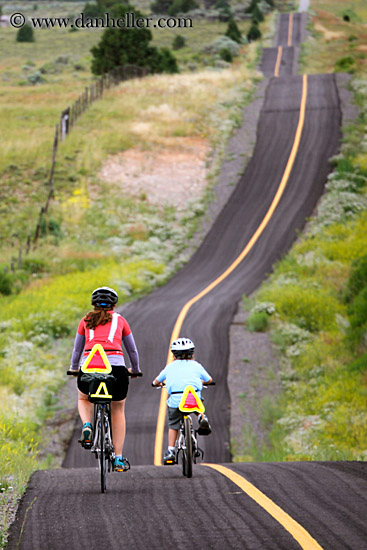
x=122, y=46
x=233, y=32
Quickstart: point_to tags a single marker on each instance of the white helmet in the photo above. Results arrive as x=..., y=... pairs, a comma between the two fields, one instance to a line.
x=181, y=346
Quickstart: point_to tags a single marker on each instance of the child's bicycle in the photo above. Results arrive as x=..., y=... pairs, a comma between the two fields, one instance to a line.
x=100, y=393
x=187, y=441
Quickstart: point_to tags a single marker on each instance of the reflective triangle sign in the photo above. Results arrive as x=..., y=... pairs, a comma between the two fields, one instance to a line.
x=190, y=401
x=97, y=361
x=102, y=391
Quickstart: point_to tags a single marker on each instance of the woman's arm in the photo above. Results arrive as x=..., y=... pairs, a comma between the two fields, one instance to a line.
x=77, y=351
x=130, y=346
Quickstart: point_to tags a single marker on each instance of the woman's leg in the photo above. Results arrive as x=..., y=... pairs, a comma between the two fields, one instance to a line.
x=85, y=408
x=118, y=425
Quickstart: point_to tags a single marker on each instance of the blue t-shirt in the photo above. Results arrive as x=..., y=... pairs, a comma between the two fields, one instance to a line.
x=181, y=373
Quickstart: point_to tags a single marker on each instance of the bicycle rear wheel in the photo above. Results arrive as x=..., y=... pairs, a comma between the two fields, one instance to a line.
x=103, y=455
x=187, y=454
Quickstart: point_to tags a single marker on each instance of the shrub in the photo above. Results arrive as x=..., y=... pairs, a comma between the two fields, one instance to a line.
x=233, y=32
x=258, y=322
x=358, y=318
x=357, y=279
x=25, y=34
x=311, y=309
x=178, y=42
x=181, y=6
x=226, y=55
x=345, y=64
x=220, y=43
x=6, y=284
x=254, y=33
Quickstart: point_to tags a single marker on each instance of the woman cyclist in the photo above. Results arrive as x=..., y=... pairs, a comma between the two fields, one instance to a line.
x=108, y=328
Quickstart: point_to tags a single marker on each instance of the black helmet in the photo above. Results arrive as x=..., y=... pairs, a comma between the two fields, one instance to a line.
x=104, y=297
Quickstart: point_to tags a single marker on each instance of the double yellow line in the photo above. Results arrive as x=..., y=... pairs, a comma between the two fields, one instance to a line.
x=181, y=317
x=280, y=48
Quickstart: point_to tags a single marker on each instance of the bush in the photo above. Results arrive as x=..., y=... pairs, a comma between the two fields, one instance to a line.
x=254, y=33
x=25, y=34
x=6, y=284
x=233, y=32
x=357, y=279
x=357, y=311
x=220, y=43
x=311, y=309
x=178, y=42
x=182, y=6
x=258, y=322
x=345, y=64
x=226, y=55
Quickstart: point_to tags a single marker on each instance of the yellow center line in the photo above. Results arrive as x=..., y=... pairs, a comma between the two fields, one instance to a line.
x=295, y=529
x=180, y=319
x=277, y=63
x=290, y=29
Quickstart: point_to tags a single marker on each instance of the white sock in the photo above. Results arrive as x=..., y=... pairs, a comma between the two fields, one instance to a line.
x=171, y=448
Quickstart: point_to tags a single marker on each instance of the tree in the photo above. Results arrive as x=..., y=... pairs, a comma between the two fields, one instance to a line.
x=257, y=14
x=122, y=46
x=25, y=34
x=254, y=33
x=233, y=32
x=92, y=10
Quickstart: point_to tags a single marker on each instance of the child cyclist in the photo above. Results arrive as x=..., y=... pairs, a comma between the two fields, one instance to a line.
x=108, y=328
x=177, y=375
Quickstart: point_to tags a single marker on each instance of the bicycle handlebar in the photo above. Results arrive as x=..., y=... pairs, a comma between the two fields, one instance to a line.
x=75, y=373
x=204, y=385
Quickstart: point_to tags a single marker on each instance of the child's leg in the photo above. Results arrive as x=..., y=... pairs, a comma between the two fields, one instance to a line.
x=172, y=436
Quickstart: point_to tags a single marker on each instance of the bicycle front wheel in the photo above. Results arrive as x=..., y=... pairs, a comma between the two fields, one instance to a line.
x=187, y=454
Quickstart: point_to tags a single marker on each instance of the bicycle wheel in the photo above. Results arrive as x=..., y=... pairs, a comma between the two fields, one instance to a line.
x=187, y=454
x=103, y=455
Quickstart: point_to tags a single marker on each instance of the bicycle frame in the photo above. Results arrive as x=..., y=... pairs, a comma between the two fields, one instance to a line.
x=187, y=445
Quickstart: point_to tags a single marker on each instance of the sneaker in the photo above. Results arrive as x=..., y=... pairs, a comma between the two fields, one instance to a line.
x=87, y=435
x=121, y=464
x=204, y=426
x=169, y=458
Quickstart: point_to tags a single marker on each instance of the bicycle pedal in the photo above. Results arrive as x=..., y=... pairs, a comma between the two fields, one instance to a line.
x=85, y=444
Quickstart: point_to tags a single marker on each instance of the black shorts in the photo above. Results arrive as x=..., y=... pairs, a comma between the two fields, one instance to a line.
x=120, y=387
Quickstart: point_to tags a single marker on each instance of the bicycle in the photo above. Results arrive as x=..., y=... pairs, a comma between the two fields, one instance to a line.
x=100, y=394
x=187, y=442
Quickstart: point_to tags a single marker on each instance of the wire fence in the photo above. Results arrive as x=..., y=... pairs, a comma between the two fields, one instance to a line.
x=68, y=118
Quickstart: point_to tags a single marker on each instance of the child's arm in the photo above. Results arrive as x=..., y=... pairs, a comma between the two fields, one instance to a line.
x=156, y=382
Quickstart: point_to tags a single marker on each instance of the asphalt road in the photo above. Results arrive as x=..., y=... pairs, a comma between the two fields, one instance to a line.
x=155, y=507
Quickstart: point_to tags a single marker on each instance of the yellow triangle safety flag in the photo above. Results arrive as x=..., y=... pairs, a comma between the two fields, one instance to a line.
x=190, y=401
x=97, y=361
x=102, y=391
